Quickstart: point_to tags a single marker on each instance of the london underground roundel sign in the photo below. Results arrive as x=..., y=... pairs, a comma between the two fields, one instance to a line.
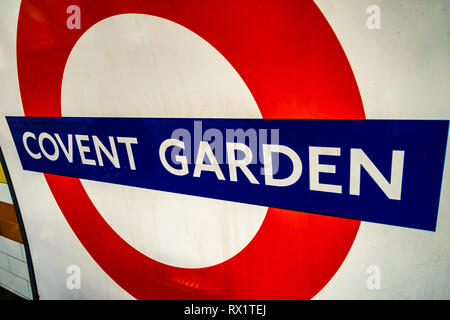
x=294, y=67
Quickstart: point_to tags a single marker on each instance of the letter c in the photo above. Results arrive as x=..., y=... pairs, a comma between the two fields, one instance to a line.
x=25, y=137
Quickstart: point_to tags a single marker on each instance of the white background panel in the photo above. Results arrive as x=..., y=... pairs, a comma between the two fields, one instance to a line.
x=402, y=72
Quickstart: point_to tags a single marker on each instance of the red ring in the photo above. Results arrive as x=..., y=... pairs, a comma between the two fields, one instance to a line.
x=293, y=64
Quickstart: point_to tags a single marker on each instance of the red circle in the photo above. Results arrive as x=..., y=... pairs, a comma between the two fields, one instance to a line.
x=294, y=66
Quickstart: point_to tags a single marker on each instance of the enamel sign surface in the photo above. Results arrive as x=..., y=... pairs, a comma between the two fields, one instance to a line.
x=226, y=150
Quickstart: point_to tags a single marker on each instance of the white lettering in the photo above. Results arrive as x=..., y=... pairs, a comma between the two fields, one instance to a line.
x=128, y=142
x=69, y=151
x=112, y=156
x=181, y=159
x=315, y=168
x=242, y=164
x=55, y=155
x=268, y=149
x=82, y=149
x=392, y=189
x=205, y=149
x=25, y=137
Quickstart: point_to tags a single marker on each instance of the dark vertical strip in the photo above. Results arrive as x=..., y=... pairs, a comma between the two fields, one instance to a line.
x=22, y=228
